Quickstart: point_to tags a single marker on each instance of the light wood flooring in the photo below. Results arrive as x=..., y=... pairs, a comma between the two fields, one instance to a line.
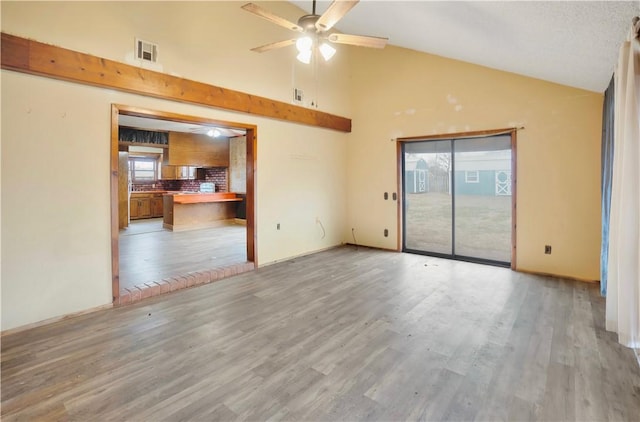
x=346, y=334
x=150, y=253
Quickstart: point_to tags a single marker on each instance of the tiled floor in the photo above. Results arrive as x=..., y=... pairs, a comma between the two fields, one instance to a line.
x=154, y=260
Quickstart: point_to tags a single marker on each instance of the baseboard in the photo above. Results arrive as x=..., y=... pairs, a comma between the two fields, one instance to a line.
x=54, y=320
x=373, y=247
x=567, y=277
x=520, y=270
x=277, y=261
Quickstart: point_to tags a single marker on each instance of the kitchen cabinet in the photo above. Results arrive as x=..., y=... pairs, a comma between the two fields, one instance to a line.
x=145, y=205
x=134, y=206
x=169, y=172
x=139, y=208
x=186, y=173
x=156, y=206
x=188, y=149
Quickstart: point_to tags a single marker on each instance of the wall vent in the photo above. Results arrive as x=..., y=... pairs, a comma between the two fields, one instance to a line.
x=146, y=51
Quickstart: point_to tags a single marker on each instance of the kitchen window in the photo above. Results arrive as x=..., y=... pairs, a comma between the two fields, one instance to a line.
x=143, y=169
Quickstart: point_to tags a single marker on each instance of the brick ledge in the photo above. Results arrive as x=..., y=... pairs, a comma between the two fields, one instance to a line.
x=129, y=295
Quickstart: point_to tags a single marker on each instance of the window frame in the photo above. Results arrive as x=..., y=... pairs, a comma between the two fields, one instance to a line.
x=141, y=158
x=467, y=179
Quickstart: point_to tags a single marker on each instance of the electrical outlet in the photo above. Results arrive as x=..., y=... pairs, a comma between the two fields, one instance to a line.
x=386, y=196
x=547, y=249
x=278, y=226
x=386, y=233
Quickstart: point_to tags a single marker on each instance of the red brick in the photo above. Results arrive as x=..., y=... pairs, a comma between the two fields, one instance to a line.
x=213, y=275
x=145, y=291
x=191, y=280
x=157, y=286
x=202, y=277
x=135, y=294
x=124, y=299
x=153, y=287
x=175, y=283
x=182, y=282
x=241, y=268
x=165, y=285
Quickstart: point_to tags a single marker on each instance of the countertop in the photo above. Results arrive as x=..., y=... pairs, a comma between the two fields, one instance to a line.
x=197, y=197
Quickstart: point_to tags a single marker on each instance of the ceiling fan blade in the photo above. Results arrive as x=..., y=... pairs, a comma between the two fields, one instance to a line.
x=273, y=46
x=358, y=40
x=334, y=13
x=265, y=14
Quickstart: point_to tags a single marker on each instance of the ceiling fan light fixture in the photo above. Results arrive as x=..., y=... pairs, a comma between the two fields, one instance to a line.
x=304, y=44
x=213, y=133
x=327, y=51
x=313, y=28
x=304, y=57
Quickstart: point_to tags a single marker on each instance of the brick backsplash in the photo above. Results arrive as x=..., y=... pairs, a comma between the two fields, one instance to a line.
x=216, y=175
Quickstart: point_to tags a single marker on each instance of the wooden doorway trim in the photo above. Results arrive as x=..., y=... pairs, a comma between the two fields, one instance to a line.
x=251, y=135
x=476, y=134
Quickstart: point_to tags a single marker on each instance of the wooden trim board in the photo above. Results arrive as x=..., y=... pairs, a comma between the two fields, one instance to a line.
x=36, y=58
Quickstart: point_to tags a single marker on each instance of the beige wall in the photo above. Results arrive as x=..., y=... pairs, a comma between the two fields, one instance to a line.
x=55, y=144
x=401, y=93
x=56, y=256
x=206, y=41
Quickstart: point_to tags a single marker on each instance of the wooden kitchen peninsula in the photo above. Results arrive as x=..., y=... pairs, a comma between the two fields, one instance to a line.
x=187, y=211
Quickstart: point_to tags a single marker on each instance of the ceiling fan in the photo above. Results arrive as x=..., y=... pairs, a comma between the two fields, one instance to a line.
x=317, y=29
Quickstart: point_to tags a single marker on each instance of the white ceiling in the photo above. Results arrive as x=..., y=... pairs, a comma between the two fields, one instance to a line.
x=573, y=43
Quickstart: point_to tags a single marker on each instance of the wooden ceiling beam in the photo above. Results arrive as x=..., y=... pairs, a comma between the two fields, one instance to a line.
x=36, y=58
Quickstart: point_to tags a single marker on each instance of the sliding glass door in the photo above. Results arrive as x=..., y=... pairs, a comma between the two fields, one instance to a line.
x=457, y=198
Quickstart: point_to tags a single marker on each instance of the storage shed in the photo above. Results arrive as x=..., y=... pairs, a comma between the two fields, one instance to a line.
x=416, y=175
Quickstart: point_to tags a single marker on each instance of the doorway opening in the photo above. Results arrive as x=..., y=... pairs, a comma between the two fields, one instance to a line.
x=174, y=216
x=459, y=196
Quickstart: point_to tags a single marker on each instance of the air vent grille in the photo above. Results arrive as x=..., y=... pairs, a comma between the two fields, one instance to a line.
x=146, y=51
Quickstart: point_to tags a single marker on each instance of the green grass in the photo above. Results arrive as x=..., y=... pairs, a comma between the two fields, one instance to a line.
x=483, y=225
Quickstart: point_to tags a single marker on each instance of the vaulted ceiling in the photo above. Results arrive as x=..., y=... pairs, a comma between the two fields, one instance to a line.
x=573, y=43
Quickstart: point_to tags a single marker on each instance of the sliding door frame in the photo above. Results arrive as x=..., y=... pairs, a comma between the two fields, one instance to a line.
x=512, y=132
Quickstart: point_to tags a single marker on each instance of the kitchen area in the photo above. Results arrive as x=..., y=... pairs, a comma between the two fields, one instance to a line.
x=164, y=169
x=181, y=205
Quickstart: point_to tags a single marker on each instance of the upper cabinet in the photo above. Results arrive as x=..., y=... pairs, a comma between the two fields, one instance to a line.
x=187, y=149
x=178, y=172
